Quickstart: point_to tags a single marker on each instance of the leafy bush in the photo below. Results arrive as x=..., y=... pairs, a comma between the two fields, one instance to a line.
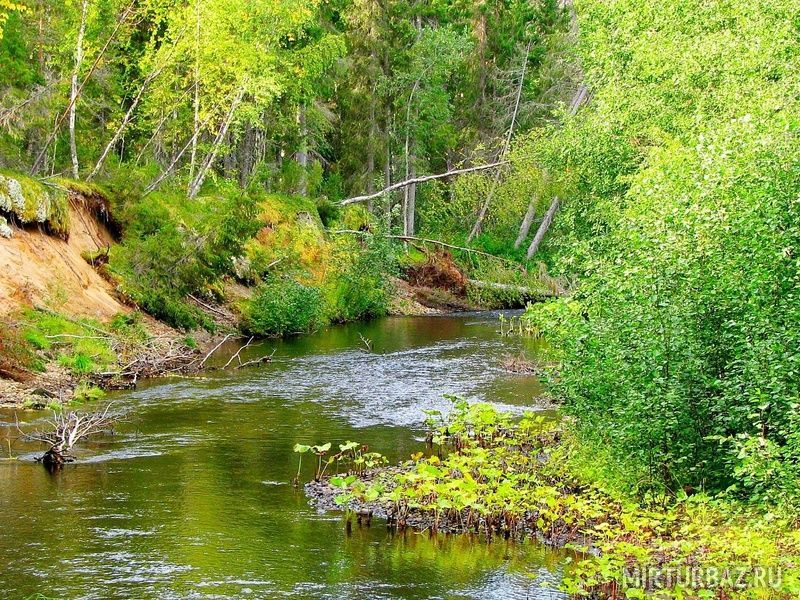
x=681, y=359
x=174, y=247
x=283, y=307
x=357, y=288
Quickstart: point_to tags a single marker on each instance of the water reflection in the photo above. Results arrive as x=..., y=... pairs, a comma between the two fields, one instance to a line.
x=190, y=498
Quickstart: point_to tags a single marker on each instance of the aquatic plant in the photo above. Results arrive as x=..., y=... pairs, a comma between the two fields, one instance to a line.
x=513, y=477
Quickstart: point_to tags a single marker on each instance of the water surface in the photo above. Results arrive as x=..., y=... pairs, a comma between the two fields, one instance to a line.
x=191, y=498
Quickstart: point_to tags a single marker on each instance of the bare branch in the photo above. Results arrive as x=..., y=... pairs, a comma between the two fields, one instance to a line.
x=422, y=179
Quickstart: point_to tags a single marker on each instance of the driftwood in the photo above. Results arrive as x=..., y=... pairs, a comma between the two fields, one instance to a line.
x=238, y=352
x=67, y=429
x=214, y=349
x=257, y=361
x=366, y=341
x=507, y=287
x=207, y=306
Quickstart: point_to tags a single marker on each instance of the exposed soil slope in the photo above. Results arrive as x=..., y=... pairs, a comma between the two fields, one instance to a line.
x=36, y=268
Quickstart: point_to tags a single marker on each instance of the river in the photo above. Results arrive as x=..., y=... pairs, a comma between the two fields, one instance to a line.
x=191, y=498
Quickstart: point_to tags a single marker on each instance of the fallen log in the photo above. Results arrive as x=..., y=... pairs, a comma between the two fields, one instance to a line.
x=508, y=287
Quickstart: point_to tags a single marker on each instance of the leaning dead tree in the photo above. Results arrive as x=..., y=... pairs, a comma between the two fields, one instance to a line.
x=579, y=98
x=422, y=179
x=476, y=229
x=65, y=430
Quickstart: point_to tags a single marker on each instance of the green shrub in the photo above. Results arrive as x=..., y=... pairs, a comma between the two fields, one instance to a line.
x=682, y=357
x=283, y=307
x=78, y=363
x=357, y=289
x=174, y=247
x=37, y=339
x=87, y=392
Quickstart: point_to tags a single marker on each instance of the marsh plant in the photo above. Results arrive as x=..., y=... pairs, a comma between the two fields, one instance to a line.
x=502, y=476
x=352, y=459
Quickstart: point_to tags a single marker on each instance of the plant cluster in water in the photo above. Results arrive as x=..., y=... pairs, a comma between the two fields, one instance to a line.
x=498, y=476
x=353, y=459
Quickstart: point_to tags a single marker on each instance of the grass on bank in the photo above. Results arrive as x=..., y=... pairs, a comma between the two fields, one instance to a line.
x=83, y=347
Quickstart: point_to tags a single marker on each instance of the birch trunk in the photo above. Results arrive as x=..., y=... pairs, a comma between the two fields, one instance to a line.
x=543, y=227
x=73, y=93
x=409, y=201
x=525, y=226
x=196, y=103
x=301, y=156
x=125, y=121
x=387, y=171
x=197, y=183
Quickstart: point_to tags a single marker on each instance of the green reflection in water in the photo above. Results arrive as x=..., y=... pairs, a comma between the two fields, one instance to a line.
x=191, y=497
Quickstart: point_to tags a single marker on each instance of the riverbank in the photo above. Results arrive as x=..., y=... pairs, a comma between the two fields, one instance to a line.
x=92, y=300
x=509, y=478
x=49, y=358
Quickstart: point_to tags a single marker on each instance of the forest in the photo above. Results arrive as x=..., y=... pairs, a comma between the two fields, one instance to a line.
x=627, y=173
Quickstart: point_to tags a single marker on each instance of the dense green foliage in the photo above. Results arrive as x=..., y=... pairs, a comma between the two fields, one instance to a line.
x=224, y=133
x=281, y=309
x=679, y=349
x=173, y=248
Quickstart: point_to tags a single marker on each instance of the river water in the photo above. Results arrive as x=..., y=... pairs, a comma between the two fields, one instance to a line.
x=191, y=498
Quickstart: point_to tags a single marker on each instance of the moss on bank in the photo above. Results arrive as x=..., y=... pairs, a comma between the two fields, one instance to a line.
x=28, y=201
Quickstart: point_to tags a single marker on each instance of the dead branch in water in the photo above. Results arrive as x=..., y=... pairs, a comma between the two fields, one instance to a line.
x=67, y=429
x=366, y=341
x=214, y=349
x=238, y=352
x=258, y=361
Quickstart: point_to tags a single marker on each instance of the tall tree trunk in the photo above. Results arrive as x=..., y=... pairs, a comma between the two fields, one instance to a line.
x=525, y=226
x=409, y=200
x=197, y=183
x=127, y=119
x=373, y=131
x=476, y=228
x=196, y=103
x=73, y=94
x=543, y=227
x=387, y=168
x=301, y=156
